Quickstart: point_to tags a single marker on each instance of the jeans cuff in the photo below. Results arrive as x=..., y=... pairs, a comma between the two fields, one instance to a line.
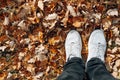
x=76, y=60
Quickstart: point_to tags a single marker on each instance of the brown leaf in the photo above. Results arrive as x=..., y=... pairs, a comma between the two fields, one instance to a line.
x=3, y=75
x=54, y=40
x=3, y=38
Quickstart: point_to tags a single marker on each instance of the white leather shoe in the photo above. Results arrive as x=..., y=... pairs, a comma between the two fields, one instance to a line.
x=96, y=45
x=73, y=45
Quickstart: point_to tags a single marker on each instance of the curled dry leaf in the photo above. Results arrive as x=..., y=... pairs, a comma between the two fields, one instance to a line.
x=30, y=68
x=117, y=63
x=22, y=25
x=114, y=49
x=37, y=37
x=22, y=13
x=38, y=75
x=10, y=43
x=53, y=50
x=25, y=41
x=65, y=19
x=71, y=10
x=32, y=60
x=3, y=38
x=53, y=25
x=116, y=31
x=110, y=42
x=39, y=14
x=97, y=17
x=115, y=73
x=117, y=41
x=109, y=59
x=40, y=52
x=3, y=75
x=21, y=55
x=16, y=66
x=51, y=16
x=78, y=22
x=112, y=12
x=6, y=21
x=2, y=48
x=54, y=40
x=9, y=75
x=41, y=4
x=106, y=24
x=26, y=58
x=116, y=21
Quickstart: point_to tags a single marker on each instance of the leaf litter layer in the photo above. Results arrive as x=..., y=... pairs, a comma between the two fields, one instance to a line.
x=33, y=32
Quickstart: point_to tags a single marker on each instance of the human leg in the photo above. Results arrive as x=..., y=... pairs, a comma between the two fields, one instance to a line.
x=95, y=68
x=74, y=67
x=73, y=70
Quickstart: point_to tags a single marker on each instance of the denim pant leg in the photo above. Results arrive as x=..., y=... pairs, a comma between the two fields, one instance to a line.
x=96, y=70
x=74, y=69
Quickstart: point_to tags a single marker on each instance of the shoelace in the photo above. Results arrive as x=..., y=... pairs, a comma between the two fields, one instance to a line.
x=72, y=51
x=100, y=50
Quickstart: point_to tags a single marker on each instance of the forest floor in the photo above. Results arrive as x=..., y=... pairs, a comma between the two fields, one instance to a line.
x=33, y=32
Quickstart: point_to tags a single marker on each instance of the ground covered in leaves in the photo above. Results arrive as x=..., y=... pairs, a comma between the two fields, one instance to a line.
x=33, y=32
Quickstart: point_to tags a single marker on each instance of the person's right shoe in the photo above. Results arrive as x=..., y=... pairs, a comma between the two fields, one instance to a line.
x=96, y=45
x=73, y=45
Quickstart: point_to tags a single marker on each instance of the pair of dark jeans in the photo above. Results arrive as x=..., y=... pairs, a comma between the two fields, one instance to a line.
x=74, y=69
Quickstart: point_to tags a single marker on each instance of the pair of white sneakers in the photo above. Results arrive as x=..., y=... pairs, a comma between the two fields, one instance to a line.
x=96, y=45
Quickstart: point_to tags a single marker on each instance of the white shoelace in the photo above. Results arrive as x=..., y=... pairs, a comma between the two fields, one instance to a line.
x=100, y=50
x=73, y=51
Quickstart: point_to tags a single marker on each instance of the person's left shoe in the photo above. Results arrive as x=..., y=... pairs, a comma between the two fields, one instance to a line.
x=73, y=45
x=97, y=45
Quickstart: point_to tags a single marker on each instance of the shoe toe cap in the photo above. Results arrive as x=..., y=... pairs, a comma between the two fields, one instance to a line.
x=97, y=36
